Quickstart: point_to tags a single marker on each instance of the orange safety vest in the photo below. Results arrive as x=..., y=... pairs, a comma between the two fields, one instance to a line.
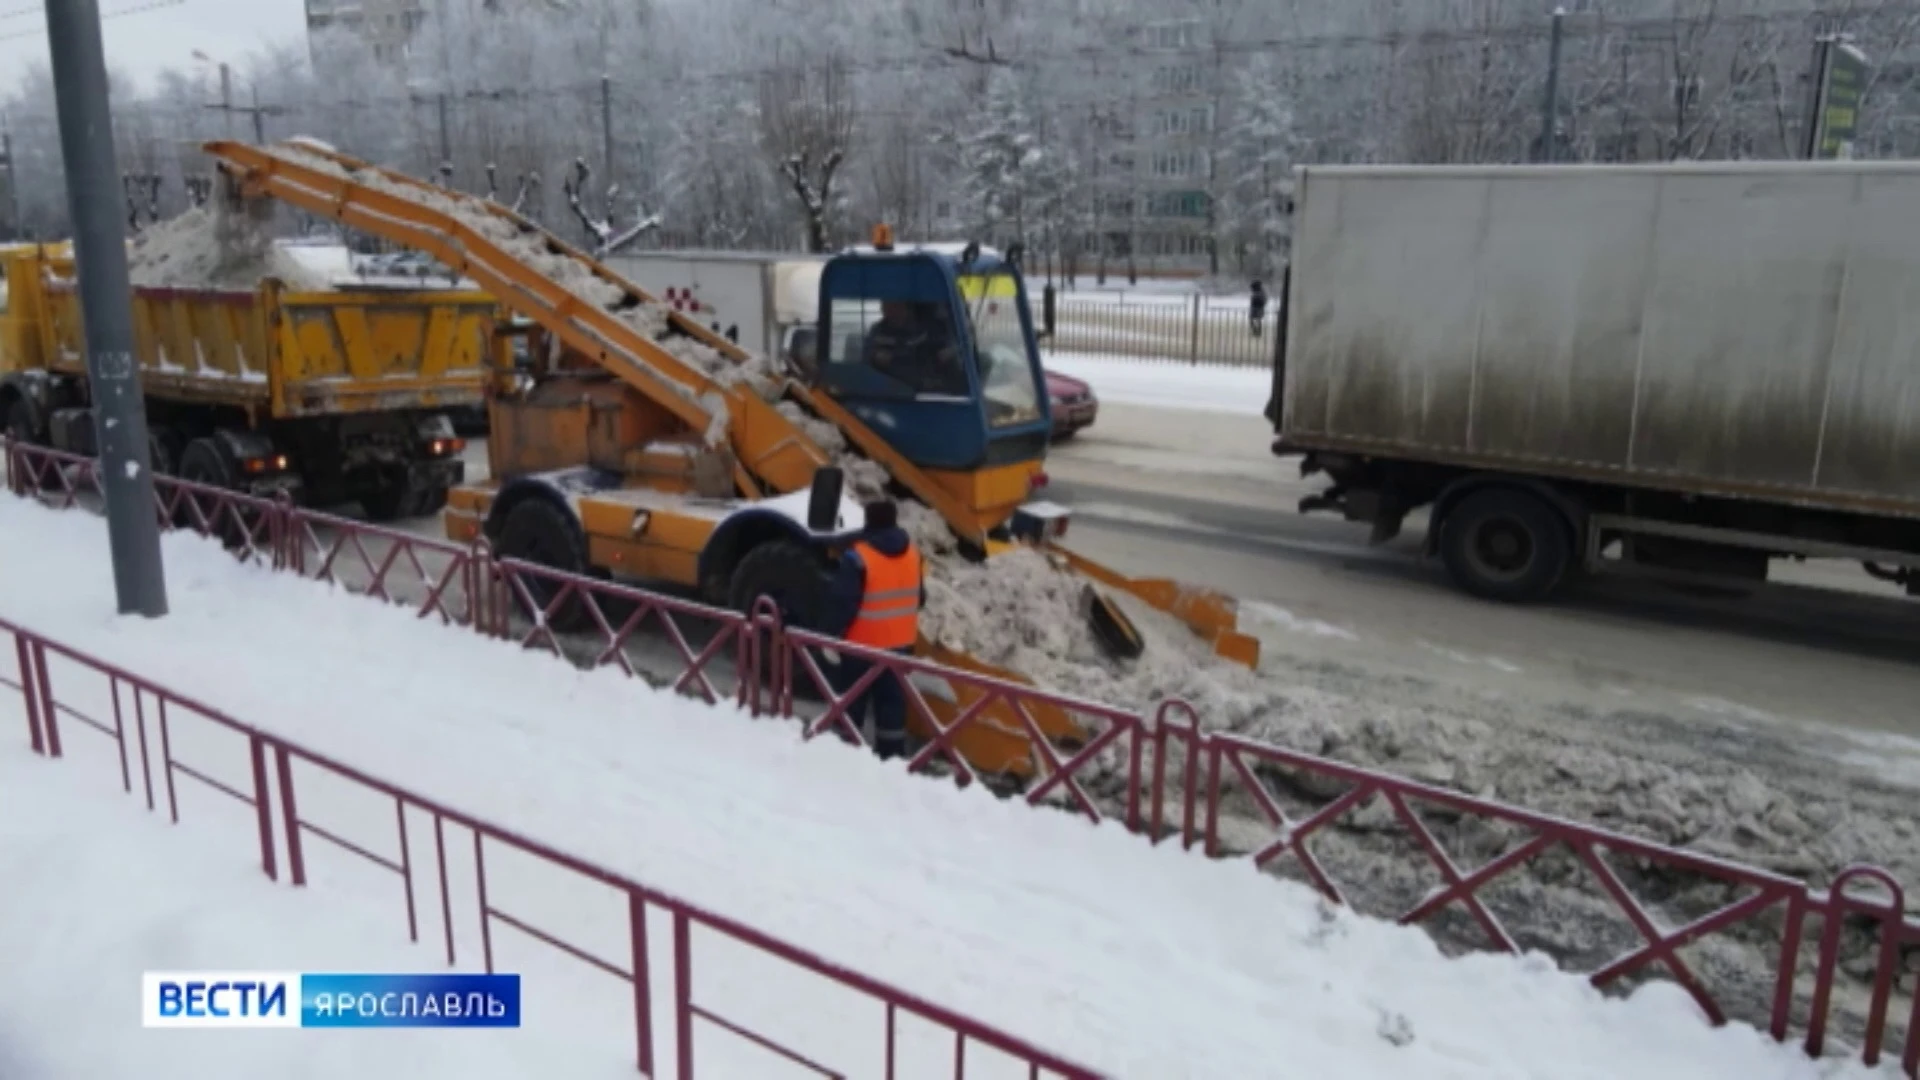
x=889, y=616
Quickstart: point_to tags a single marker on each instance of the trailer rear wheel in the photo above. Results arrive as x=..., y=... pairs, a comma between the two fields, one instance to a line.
x=536, y=531
x=1506, y=544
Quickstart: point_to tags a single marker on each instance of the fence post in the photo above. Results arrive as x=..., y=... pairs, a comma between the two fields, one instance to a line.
x=27, y=688
x=262, y=803
x=1193, y=344
x=642, y=980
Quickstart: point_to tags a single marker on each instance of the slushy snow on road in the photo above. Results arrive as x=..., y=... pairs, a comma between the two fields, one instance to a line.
x=1135, y=960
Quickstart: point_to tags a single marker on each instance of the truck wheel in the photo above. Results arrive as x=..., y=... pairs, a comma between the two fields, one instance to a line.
x=433, y=500
x=538, y=532
x=20, y=422
x=1507, y=545
x=789, y=572
x=206, y=461
x=390, y=500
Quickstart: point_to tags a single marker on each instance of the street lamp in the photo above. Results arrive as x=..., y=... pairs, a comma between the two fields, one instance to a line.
x=226, y=87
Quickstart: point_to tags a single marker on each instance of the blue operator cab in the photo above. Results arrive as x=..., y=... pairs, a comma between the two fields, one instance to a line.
x=933, y=347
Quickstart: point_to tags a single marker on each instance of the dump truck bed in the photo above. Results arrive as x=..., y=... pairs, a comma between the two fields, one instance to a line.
x=288, y=355
x=1737, y=329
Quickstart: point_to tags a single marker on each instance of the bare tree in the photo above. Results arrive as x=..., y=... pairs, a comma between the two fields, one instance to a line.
x=806, y=128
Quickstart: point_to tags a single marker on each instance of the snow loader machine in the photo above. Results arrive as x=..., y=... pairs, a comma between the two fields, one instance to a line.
x=629, y=441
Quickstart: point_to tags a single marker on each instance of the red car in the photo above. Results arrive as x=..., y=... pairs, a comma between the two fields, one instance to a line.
x=1074, y=406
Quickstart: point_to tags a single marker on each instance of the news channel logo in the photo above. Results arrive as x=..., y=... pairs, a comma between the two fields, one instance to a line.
x=305, y=999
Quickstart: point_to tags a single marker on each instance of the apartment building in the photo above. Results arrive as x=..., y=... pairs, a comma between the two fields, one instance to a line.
x=387, y=26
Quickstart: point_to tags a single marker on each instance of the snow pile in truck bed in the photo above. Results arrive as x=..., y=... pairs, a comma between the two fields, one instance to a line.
x=1132, y=959
x=214, y=248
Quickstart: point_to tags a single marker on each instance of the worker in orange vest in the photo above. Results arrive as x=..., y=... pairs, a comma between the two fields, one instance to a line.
x=880, y=587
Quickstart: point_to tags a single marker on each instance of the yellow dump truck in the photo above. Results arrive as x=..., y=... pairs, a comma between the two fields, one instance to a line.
x=333, y=397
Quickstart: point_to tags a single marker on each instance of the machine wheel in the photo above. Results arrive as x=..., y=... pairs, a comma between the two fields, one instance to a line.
x=541, y=533
x=1507, y=545
x=789, y=572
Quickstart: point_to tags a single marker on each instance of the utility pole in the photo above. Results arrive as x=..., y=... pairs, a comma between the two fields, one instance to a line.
x=257, y=111
x=1550, y=123
x=226, y=97
x=106, y=304
x=14, y=231
x=606, y=127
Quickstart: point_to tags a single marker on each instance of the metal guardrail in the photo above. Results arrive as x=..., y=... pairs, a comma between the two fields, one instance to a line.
x=283, y=832
x=1183, y=329
x=1144, y=764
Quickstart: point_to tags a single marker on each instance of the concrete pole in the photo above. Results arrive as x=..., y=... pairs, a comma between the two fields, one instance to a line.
x=106, y=303
x=259, y=119
x=226, y=98
x=1550, y=123
x=606, y=128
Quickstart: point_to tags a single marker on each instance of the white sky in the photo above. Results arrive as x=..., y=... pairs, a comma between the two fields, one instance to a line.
x=143, y=44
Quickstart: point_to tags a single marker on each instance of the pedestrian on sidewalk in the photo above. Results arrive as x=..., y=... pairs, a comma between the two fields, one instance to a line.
x=1257, y=308
x=879, y=589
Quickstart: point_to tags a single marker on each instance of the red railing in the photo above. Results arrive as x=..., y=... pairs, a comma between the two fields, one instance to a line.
x=282, y=829
x=1140, y=765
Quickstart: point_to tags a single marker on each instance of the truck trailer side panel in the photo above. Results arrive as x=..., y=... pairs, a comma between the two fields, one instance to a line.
x=1745, y=329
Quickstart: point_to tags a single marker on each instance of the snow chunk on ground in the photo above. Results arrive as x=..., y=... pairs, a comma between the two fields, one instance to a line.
x=98, y=891
x=1137, y=960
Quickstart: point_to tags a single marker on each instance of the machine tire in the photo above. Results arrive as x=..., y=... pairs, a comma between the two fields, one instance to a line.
x=541, y=533
x=1507, y=545
x=792, y=574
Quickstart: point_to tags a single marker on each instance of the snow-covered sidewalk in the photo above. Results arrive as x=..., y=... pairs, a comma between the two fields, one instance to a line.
x=1167, y=384
x=94, y=891
x=1137, y=960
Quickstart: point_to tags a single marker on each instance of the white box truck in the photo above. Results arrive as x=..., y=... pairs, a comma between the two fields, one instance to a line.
x=767, y=302
x=1682, y=370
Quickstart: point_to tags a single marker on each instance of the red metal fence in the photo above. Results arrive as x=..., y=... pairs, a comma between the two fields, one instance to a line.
x=1147, y=765
x=283, y=831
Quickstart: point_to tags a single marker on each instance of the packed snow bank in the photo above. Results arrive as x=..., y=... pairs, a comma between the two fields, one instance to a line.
x=1167, y=384
x=97, y=891
x=211, y=247
x=1137, y=960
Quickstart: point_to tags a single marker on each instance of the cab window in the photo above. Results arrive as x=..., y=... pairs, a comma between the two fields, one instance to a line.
x=892, y=332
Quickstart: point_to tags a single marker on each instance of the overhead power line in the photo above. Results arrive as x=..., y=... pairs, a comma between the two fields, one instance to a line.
x=136, y=9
